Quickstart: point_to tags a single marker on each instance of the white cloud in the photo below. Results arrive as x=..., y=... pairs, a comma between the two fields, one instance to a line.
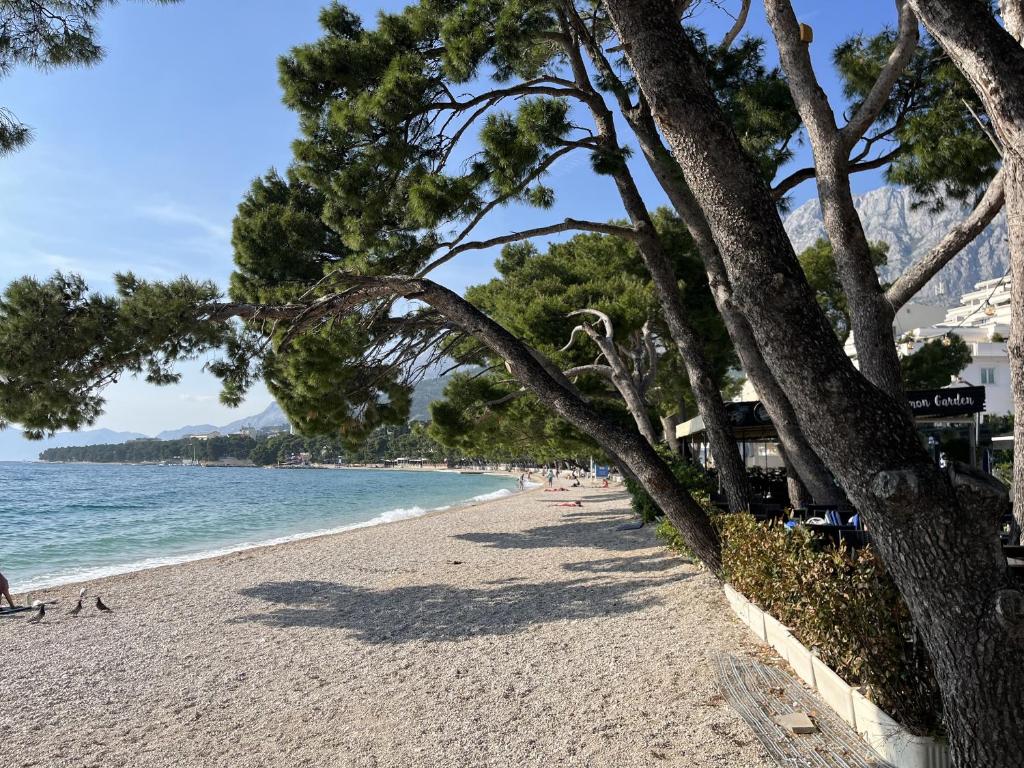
x=193, y=398
x=173, y=213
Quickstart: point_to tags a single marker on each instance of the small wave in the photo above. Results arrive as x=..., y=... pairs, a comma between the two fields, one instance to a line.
x=48, y=580
x=78, y=575
x=499, y=494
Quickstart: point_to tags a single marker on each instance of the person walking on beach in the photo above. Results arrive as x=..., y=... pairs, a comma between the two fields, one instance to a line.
x=551, y=478
x=5, y=591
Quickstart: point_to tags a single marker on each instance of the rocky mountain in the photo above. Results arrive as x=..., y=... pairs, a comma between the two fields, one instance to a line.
x=888, y=215
x=269, y=417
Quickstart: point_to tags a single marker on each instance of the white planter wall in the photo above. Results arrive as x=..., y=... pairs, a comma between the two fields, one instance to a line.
x=885, y=735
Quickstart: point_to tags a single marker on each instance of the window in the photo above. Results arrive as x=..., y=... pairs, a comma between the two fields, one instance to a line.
x=988, y=375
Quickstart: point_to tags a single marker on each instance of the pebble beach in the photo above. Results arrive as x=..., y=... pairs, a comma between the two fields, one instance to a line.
x=510, y=633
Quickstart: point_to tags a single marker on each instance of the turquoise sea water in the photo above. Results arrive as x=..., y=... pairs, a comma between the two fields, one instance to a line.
x=62, y=523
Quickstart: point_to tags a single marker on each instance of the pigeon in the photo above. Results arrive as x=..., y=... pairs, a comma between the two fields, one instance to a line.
x=101, y=606
x=39, y=615
x=76, y=610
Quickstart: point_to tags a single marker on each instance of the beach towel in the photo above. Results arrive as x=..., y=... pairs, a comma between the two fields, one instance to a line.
x=13, y=611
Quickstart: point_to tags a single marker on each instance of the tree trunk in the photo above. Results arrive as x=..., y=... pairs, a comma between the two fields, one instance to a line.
x=731, y=471
x=941, y=548
x=636, y=406
x=557, y=393
x=706, y=394
x=668, y=431
x=1013, y=170
x=871, y=316
x=799, y=496
x=810, y=468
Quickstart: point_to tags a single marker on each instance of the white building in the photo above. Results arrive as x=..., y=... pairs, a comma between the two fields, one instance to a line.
x=983, y=321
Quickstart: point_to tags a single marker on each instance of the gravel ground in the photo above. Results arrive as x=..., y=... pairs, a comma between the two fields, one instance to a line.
x=514, y=633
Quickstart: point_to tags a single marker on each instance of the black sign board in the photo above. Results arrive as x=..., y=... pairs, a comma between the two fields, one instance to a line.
x=747, y=414
x=954, y=401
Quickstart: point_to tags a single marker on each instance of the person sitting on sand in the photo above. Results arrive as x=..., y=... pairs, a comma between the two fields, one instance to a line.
x=5, y=591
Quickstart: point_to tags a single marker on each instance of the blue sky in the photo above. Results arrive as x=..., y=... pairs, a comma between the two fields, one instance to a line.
x=138, y=163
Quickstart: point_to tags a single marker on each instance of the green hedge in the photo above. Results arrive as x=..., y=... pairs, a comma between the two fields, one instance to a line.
x=842, y=605
x=692, y=477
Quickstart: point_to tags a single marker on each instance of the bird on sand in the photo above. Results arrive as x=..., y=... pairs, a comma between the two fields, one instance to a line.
x=101, y=606
x=39, y=614
x=81, y=593
x=76, y=610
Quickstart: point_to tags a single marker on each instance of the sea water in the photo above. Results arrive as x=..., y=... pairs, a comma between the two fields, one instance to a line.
x=62, y=523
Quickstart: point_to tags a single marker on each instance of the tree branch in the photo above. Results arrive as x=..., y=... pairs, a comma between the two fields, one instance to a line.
x=606, y=321
x=804, y=174
x=874, y=102
x=924, y=269
x=737, y=27
x=568, y=225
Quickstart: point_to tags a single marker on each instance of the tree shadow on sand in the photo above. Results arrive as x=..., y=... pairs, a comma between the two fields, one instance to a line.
x=638, y=564
x=442, y=612
x=595, y=529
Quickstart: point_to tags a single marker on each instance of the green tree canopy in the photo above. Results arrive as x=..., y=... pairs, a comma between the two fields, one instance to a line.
x=534, y=296
x=819, y=266
x=936, y=363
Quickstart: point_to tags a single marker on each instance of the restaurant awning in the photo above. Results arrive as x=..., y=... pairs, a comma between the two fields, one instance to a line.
x=750, y=420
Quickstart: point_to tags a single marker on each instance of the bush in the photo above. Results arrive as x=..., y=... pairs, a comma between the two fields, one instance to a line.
x=842, y=605
x=690, y=475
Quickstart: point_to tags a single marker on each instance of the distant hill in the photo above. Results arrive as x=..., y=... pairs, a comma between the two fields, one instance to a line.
x=426, y=392
x=888, y=215
x=14, y=447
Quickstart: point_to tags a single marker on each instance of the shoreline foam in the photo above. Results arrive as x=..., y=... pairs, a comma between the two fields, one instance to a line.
x=95, y=573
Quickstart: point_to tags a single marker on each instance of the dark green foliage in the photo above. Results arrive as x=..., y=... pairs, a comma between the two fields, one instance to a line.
x=63, y=345
x=943, y=151
x=281, y=245
x=470, y=422
x=45, y=34
x=820, y=267
x=936, y=363
x=325, y=385
x=843, y=606
x=383, y=444
x=532, y=298
x=690, y=476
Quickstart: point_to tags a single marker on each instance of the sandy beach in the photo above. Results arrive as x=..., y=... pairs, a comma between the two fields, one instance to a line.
x=512, y=633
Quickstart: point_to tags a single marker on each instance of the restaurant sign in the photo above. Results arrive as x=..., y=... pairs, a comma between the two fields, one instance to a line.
x=747, y=414
x=954, y=401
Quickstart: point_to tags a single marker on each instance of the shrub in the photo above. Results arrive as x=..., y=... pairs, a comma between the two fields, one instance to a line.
x=690, y=475
x=842, y=605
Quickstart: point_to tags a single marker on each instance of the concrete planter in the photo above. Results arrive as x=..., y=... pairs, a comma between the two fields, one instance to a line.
x=777, y=635
x=739, y=603
x=801, y=660
x=894, y=744
x=834, y=690
x=755, y=620
x=884, y=734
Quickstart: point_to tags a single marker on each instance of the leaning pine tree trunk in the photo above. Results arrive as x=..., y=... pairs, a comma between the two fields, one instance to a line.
x=939, y=543
x=1013, y=169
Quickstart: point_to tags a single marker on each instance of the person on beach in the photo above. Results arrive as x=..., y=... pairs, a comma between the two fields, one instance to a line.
x=5, y=591
x=551, y=477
